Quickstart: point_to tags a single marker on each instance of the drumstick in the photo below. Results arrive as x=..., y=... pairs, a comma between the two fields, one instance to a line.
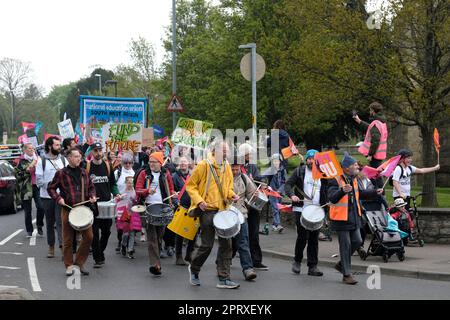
x=80, y=203
x=68, y=206
x=326, y=204
x=176, y=194
x=259, y=182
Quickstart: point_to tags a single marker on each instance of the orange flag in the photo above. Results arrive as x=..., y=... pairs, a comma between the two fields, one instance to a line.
x=436, y=140
x=326, y=166
x=271, y=193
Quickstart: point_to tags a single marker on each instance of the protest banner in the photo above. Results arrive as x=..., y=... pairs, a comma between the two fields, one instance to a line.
x=66, y=129
x=192, y=133
x=148, y=137
x=326, y=166
x=122, y=137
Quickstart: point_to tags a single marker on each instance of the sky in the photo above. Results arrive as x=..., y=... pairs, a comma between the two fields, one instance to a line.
x=64, y=40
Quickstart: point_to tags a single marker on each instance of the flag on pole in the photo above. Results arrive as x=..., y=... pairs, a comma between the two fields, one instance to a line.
x=285, y=207
x=37, y=127
x=436, y=140
x=370, y=173
x=389, y=166
x=27, y=126
x=271, y=193
x=326, y=166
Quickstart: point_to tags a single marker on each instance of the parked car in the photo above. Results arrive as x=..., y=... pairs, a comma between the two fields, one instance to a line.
x=11, y=153
x=7, y=188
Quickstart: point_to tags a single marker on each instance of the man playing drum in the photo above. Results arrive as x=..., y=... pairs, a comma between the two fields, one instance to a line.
x=207, y=198
x=315, y=190
x=75, y=186
x=156, y=186
x=346, y=212
x=102, y=176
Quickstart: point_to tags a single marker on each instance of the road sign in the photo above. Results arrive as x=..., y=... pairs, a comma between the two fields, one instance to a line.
x=175, y=104
x=246, y=67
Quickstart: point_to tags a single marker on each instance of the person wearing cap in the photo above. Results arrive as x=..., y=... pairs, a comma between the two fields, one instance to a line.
x=102, y=175
x=401, y=177
x=346, y=212
x=155, y=185
x=374, y=147
x=254, y=217
x=307, y=191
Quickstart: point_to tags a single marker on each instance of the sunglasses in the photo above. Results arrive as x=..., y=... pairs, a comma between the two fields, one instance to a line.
x=128, y=163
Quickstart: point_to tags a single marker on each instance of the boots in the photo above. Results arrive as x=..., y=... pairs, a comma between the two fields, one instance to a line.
x=51, y=252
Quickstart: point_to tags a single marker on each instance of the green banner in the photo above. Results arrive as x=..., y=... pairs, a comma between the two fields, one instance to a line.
x=192, y=133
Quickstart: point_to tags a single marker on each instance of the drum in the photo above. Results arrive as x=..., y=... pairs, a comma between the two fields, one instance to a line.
x=141, y=210
x=159, y=214
x=107, y=209
x=226, y=224
x=81, y=218
x=257, y=201
x=184, y=225
x=312, y=217
x=238, y=213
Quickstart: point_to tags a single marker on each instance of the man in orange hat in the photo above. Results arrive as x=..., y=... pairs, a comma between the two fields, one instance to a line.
x=156, y=186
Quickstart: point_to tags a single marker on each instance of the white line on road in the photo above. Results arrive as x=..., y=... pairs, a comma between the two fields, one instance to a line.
x=8, y=287
x=34, y=221
x=33, y=275
x=33, y=238
x=10, y=237
x=9, y=268
x=13, y=253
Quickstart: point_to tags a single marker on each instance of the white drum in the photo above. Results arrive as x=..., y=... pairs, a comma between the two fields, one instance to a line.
x=81, y=218
x=238, y=213
x=312, y=217
x=107, y=209
x=257, y=201
x=227, y=224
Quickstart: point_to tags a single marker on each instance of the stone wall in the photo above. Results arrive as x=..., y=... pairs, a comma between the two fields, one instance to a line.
x=435, y=224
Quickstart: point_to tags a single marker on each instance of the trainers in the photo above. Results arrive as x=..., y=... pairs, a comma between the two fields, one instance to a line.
x=349, y=280
x=280, y=228
x=83, y=271
x=69, y=271
x=97, y=265
x=260, y=266
x=193, y=277
x=123, y=250
x=163, y=254
x=143, y=238
x=362, y=253
x=227, y=284
x=40, y=232
x=130, y=255
x=296, y=267
x=170, y=251
x=249, y=274
x=313, y=271
x=51, y=252
x=274, y=228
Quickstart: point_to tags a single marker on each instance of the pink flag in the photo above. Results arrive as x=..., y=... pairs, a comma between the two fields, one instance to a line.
x=388, y=167
x=23, y=139
x=27, y=126
x=285, y=208
x=370, y=173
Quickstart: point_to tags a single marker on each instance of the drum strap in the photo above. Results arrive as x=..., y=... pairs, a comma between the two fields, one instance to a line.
x=82, y=187
x=216, y=178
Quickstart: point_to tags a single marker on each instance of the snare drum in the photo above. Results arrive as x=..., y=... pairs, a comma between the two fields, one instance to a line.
x=81, y=218
x=257, y=201
x=226, y=224
x=140, y=209
x=238, y=213
x=107, y=209
x=159, y=214
x=312, y=217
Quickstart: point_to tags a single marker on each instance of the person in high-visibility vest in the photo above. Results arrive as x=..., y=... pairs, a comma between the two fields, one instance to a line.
x=346, y=212
x=374, y=147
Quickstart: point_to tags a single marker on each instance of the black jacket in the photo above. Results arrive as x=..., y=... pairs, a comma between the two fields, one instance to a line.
x=178, y=184
x=297, y=180
x=335, y=193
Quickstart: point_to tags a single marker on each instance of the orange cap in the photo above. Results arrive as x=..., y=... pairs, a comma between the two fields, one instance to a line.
x=159, y=156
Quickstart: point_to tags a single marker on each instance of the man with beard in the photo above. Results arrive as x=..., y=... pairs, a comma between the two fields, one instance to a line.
x=75, y=186
x=46, y=168
x=374, y=147
x=310, y=191
x=346, y=212
x=102, y=176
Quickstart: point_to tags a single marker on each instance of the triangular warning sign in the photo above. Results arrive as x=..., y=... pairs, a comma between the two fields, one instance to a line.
x=175, y=104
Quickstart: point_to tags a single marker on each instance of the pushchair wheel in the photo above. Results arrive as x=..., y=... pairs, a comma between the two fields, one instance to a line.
x=401, y=256
x=385, y=257
x=421, y=243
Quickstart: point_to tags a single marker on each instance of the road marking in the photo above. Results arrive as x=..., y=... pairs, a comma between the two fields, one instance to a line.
x=33, y=275
x=10, y=237
x=9, y=268
x=18, y=243
x=8, y=287
x=34, y=221
x=13, y=253
x=33, y=238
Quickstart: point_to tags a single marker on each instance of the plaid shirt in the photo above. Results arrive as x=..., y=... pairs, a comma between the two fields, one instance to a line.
x=70, y=186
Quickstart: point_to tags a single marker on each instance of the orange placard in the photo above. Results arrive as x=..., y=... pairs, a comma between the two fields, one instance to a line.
x=290, y=151
x=326, y=166
x=436, y=140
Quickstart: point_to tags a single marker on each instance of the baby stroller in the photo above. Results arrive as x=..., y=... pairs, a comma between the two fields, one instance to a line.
x=384, y=242
x=406, y=223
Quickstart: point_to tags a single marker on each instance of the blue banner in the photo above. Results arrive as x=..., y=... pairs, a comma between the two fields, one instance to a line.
x=97, y=111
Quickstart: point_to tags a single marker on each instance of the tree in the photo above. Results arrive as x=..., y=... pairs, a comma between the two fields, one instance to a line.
x=14, y=75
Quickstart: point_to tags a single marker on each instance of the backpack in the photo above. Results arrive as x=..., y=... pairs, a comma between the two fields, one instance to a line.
x=108, y=167
x=391, y=182
x=44, y=161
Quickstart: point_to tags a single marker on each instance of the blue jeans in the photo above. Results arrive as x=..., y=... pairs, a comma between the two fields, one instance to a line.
x=243, y=247
x=128, y=240
x=275, y=211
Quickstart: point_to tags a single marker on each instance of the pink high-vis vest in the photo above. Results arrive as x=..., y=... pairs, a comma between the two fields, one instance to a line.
x=381, y=152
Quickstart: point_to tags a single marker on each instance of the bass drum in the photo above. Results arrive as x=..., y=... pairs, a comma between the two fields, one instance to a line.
x=81, y=218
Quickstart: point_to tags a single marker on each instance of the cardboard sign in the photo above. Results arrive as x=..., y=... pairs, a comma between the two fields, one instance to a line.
x=148, y=137
x=326, y=166
x=192, y=133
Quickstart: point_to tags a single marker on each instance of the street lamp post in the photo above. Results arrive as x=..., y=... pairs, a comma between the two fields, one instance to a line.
x=114, y=82
x=99, y=82
x=174, y=57
x=252, y=46
x=11, y=93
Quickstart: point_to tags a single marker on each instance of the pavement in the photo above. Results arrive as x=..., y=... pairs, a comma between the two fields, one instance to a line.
x=431, y=262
